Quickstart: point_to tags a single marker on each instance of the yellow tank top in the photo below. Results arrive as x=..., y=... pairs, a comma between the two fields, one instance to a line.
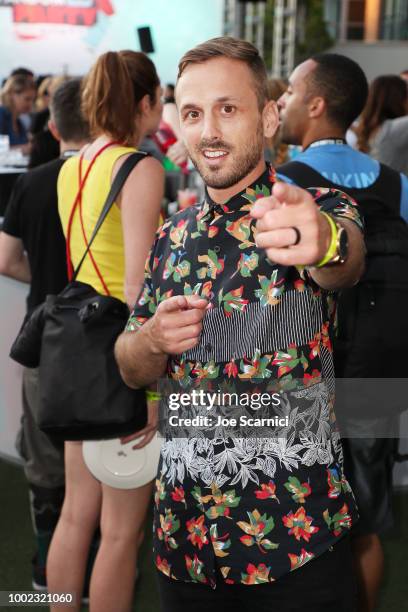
x=107, y=248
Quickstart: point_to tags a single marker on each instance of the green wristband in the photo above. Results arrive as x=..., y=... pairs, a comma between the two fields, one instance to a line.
x=154, y=396
x=331, y=251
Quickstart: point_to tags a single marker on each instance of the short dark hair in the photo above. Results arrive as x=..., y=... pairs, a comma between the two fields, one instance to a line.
x=66, y=111
x=21, y=71
x=343, y=85
x=232, y=48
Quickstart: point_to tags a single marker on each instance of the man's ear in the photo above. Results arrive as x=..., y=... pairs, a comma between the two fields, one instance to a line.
x=53, y=129
x=270, y=118
x=317, y=107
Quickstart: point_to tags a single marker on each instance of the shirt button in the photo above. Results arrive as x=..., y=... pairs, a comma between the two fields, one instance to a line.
x=208, y=347
x=217, y=248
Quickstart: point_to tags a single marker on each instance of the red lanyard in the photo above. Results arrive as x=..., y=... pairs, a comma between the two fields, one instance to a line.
x=78, y=201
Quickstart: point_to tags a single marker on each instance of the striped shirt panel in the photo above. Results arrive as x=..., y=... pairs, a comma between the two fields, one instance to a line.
x=295, y=320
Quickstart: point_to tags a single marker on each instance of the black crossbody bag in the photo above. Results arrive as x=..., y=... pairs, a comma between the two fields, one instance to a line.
x=71, y=339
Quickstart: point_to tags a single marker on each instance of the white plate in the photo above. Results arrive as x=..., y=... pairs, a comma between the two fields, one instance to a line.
x=120, y=466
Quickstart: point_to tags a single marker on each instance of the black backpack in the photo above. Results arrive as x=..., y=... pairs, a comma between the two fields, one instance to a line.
x=372, y=316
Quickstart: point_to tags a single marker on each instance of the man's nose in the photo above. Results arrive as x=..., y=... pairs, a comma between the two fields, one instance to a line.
x=211, y=129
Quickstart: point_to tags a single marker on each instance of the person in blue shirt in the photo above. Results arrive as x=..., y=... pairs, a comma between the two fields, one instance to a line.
x=322, y=139
x=17, y=98
x=325, y=95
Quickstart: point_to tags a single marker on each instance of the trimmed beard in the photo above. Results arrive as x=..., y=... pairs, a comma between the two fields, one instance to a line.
x=244, y=163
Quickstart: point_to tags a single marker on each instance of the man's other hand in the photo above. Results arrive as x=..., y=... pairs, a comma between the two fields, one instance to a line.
x=176, y=326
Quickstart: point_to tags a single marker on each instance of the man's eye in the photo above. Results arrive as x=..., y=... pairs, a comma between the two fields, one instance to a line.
x=228, y=109
x=192, y=114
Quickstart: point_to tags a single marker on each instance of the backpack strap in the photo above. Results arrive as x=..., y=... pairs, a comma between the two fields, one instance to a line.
x=304, y=175
x=115, y=189
x=388, y=187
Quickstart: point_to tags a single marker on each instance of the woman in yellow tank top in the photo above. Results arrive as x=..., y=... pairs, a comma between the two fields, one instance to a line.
x=122, y=101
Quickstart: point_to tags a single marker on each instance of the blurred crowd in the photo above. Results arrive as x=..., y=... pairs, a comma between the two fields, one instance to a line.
x=25, y=111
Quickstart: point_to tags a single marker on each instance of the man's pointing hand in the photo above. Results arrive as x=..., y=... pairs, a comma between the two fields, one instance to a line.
x=177, y=323
x=290, y=227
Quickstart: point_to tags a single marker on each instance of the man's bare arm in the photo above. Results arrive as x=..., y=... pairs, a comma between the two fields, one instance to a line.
x=139, y=365
x=175, y=328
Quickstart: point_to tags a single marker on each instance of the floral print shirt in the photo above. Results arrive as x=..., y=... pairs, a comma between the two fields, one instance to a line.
x=256, y=508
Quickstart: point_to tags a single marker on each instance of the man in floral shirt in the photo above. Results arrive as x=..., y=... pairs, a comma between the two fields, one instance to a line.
x=238, y=291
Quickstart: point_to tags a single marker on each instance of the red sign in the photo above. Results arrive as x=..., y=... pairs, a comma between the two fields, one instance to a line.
x=72, y=12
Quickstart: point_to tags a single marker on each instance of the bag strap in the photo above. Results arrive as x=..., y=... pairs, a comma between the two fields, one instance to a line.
x=115, y=189
x=303, y=175
x=82, y=182
x=98, y=272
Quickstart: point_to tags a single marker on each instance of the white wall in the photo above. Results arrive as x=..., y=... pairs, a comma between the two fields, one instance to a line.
x=12, y=300
x=377, y=58
x=176, y=26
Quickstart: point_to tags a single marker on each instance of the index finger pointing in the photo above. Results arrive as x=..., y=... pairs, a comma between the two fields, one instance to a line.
x=263, y=205
x=290, y=194
x=174, y=303
x=196, y=301
x=182, y=302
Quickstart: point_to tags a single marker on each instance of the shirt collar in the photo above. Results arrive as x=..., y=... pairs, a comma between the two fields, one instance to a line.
x=243, y=200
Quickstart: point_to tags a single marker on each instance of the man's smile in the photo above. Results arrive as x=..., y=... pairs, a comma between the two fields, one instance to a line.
x=212, y=154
